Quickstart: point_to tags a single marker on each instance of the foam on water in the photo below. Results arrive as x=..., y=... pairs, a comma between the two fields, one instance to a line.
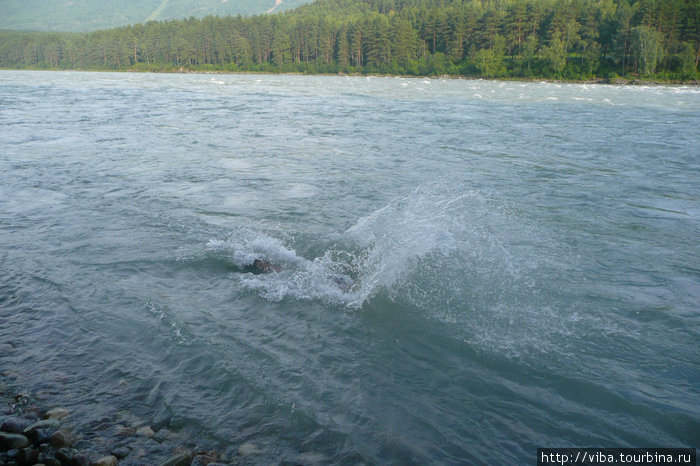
x=245, y=245
x=372, y=255
x=458, y=256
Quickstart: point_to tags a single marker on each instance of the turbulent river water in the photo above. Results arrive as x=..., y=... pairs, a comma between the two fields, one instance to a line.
x=469, y=270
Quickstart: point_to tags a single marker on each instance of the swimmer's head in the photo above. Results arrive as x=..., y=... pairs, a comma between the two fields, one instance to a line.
x=263, y=266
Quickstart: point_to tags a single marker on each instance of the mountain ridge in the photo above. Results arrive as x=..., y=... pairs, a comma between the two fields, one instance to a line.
x=93, y=15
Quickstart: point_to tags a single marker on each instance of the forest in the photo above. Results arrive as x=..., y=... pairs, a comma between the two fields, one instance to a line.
x=521, y=39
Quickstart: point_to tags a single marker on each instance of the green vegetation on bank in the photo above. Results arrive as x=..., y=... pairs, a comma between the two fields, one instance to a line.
x=555, y=39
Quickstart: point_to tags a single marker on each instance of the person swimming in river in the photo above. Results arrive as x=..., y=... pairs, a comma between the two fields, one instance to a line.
x=260, y=266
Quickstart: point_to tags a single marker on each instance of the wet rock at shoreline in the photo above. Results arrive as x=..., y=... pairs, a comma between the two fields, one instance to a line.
x=28, y=455
x=9, y=441
x=106, y=461
x=121, y=452
x=162, y=435
x=45, y=424
x=62, y=438
x=204, y=458
x=124, y=431
x=177, y=460
x=57, y=413
x=83, y=445
x=82, y=459
x=15, y=425
x=65, y=455
x=40, y=436
x=145, y=432
x=249, y=449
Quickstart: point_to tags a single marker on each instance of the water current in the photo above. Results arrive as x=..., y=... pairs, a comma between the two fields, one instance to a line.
x=468, y=270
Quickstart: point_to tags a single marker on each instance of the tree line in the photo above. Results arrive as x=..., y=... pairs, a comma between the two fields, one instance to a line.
x=569, y=39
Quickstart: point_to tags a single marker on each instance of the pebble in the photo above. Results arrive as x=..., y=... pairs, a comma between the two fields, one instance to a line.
x=45, y=448
x=83, y=445
x=65, y=455
x=177, y=460
x=8, y=441
x=47, y=424
x=28, y=456
x=145, y=432
x=106, y=461
x=249, y=449
x=57, y=413
x=40, y=436
x=15, y=425
x=121, y=452
x=62, y=438
x=204, y=458
x=162, y=435
x=81, y=459
x=123, y=431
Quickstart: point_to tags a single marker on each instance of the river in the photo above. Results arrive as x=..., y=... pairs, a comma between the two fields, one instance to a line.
x=468, y=270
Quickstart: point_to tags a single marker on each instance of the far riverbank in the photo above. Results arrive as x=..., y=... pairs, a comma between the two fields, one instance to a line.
x=616, y=81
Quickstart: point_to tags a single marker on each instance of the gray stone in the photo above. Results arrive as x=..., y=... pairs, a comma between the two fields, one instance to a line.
x=57, y=413
x=145, y=432
x=81, y=459
x=65, y=455
x=162, y=435
x=204, y=458
x=45, y=448
x=12, y=454
x=47, y=424
x=83, y=445
x=9, y=441
x=28, y=455
x=123, y=431
x=52, y=462
x=62, y=438
x=15, y=425
x=249, y=449
x=121, y=452
x=40, y=436
x=137, y=423
x=177, y=460
x=106, y=461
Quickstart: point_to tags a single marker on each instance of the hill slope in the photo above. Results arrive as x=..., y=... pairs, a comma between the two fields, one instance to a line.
x=91, y=15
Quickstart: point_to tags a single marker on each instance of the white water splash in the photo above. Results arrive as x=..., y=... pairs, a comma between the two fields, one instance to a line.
x=376, y=254
x=459, y=256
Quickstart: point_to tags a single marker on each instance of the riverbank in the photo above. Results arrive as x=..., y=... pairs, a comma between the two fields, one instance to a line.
x=616, y=80
x=34, y=432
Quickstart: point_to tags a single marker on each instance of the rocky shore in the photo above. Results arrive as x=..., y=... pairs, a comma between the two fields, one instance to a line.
x=35, y=435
